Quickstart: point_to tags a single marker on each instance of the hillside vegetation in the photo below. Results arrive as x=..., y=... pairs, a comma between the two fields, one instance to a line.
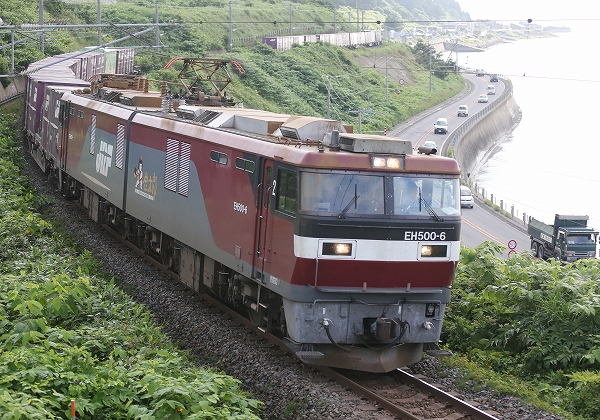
x=303, y=80
x=67, y=332
x=525, y=326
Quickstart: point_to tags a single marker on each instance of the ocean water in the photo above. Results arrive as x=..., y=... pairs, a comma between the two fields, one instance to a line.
x=550, y=163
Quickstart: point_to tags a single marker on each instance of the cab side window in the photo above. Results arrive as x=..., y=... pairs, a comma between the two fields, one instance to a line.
x=287, y=191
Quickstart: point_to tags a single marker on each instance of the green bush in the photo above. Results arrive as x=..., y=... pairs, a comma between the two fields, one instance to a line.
x=68, y=333
x=537, y=320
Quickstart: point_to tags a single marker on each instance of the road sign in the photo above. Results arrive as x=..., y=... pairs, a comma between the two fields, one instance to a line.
x=512, y=244
x=401, y=81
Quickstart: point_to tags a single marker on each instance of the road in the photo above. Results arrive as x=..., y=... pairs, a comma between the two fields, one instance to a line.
x=421, y=128
x=481, y=223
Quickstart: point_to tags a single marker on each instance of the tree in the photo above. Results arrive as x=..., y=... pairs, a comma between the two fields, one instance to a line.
x=426, y=56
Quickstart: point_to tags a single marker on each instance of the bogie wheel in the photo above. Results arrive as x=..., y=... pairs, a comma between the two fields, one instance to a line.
x=257, y=317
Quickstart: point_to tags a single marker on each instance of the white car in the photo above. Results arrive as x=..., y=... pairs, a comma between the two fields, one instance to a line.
x=440, y=126
x=463, y=111
x=483, y=99
x=466, y=198
x=491, y=90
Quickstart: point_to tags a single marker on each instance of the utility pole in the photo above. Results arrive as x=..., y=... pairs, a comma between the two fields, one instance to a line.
x=12, y=51
x=41, y=6
x=360, y=112
x=291, y=21
x=456, y=50
x=99, y=23
x=386, y=79
x=334, y=19
x=230, y=29
x=363, y=20
x=429, y=43
x=157, y=27
x=328, y=95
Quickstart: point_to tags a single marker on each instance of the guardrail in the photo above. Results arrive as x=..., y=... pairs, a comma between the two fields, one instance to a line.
x=453, y=139
x=455, y=136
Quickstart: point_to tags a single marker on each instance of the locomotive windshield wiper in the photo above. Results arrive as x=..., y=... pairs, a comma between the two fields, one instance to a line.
x=342, y=215
x=431, y=211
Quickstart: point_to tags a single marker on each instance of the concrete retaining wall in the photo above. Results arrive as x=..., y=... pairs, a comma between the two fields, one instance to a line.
x=483, y=131
x=16, y=88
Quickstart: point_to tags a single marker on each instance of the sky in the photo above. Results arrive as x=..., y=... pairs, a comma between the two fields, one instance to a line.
x=544, y=12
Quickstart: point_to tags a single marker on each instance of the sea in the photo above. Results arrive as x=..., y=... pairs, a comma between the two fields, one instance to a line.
x=550, y=163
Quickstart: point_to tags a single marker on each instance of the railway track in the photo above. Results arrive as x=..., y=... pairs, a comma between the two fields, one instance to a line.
x=409, y=397
x=400, y=394
x=10, y=100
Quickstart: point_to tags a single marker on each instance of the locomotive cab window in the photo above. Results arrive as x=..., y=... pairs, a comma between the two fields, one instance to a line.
x=337, y=193
x=357, y=195
x=287, y=191
x=426, y=196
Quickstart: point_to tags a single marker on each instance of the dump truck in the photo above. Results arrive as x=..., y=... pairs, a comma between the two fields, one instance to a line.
x=568, y=239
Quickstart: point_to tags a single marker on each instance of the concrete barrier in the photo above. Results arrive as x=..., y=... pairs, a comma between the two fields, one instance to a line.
x=12, y=91
x=480, y=133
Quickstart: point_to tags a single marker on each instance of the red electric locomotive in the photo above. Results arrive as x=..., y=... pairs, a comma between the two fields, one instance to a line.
x=344, y=243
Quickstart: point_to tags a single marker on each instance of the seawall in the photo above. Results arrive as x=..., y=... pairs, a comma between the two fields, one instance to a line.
x=476, y=138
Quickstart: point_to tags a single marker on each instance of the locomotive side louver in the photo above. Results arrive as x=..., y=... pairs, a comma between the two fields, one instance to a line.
x=207, y=116
x=289, y=133
x=188, y=112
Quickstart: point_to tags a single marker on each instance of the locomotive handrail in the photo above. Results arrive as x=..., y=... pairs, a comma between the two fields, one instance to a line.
x=264, y=243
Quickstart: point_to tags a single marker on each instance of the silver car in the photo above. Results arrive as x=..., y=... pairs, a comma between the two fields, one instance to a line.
x=466, y=198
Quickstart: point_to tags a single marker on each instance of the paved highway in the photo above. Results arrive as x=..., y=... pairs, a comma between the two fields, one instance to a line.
x=481, y=223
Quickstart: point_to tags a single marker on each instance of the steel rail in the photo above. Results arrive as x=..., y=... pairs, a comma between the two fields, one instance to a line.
x=456, y=403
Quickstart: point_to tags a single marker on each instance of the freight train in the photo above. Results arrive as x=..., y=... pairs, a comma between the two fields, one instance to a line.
x=341, y=39
x=343, y=243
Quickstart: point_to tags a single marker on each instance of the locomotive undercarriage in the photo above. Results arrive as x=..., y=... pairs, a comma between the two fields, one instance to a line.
x=202, y=273
x=196, y=270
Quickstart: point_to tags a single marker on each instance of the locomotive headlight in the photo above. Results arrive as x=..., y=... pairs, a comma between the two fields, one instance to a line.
x=343, y=249
x=340, y=249
x=385, y=162
x=379, y=162
x=434, y=251
x=393, y=163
